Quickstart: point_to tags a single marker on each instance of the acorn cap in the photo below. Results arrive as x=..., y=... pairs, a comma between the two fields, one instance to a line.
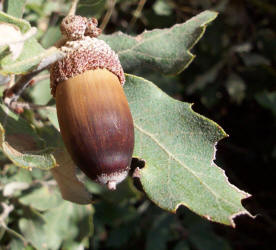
x=83, y=52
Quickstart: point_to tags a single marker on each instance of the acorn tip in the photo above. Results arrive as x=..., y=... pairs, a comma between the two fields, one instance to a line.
x=111, y=185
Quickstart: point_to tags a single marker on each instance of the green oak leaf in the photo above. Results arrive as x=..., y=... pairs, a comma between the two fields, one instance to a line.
x=178, y=147
x=42, y=199
x=163, y=50
x=21, y=144
x=14, y=7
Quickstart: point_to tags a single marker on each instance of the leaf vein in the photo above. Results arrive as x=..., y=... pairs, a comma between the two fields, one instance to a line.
x=189, y=170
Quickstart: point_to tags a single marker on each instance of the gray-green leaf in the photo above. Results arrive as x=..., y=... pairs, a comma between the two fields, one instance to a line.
x=65, y=222
x=178, y=146
x=14, y=7
x=164, y=50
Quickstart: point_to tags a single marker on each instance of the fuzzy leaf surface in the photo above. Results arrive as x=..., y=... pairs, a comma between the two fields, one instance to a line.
x=164, y=50
x=178, y=146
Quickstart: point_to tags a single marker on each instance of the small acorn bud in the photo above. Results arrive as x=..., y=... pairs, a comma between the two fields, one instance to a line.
x=93, y=113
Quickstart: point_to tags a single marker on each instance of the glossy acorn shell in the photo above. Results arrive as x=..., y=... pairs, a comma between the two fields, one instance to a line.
x=96, y=124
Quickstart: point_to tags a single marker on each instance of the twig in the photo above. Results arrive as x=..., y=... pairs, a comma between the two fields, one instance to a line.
x=19, y=107
x=6, y=211
x=111, y=5
x=40, y=78
x=137, y=13
x=73, y=8
x=11, y=231
x=12, y=94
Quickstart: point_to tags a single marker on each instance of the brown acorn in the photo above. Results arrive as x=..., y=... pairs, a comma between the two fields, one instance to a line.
x=93, y=113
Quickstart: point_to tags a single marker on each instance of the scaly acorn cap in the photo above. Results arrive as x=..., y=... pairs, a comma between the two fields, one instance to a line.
x=83, y=52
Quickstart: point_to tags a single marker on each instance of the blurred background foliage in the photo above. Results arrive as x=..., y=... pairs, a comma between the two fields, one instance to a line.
x=232, y=81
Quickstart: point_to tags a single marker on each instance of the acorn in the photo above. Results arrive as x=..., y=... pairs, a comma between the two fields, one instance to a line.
x=93, y=113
